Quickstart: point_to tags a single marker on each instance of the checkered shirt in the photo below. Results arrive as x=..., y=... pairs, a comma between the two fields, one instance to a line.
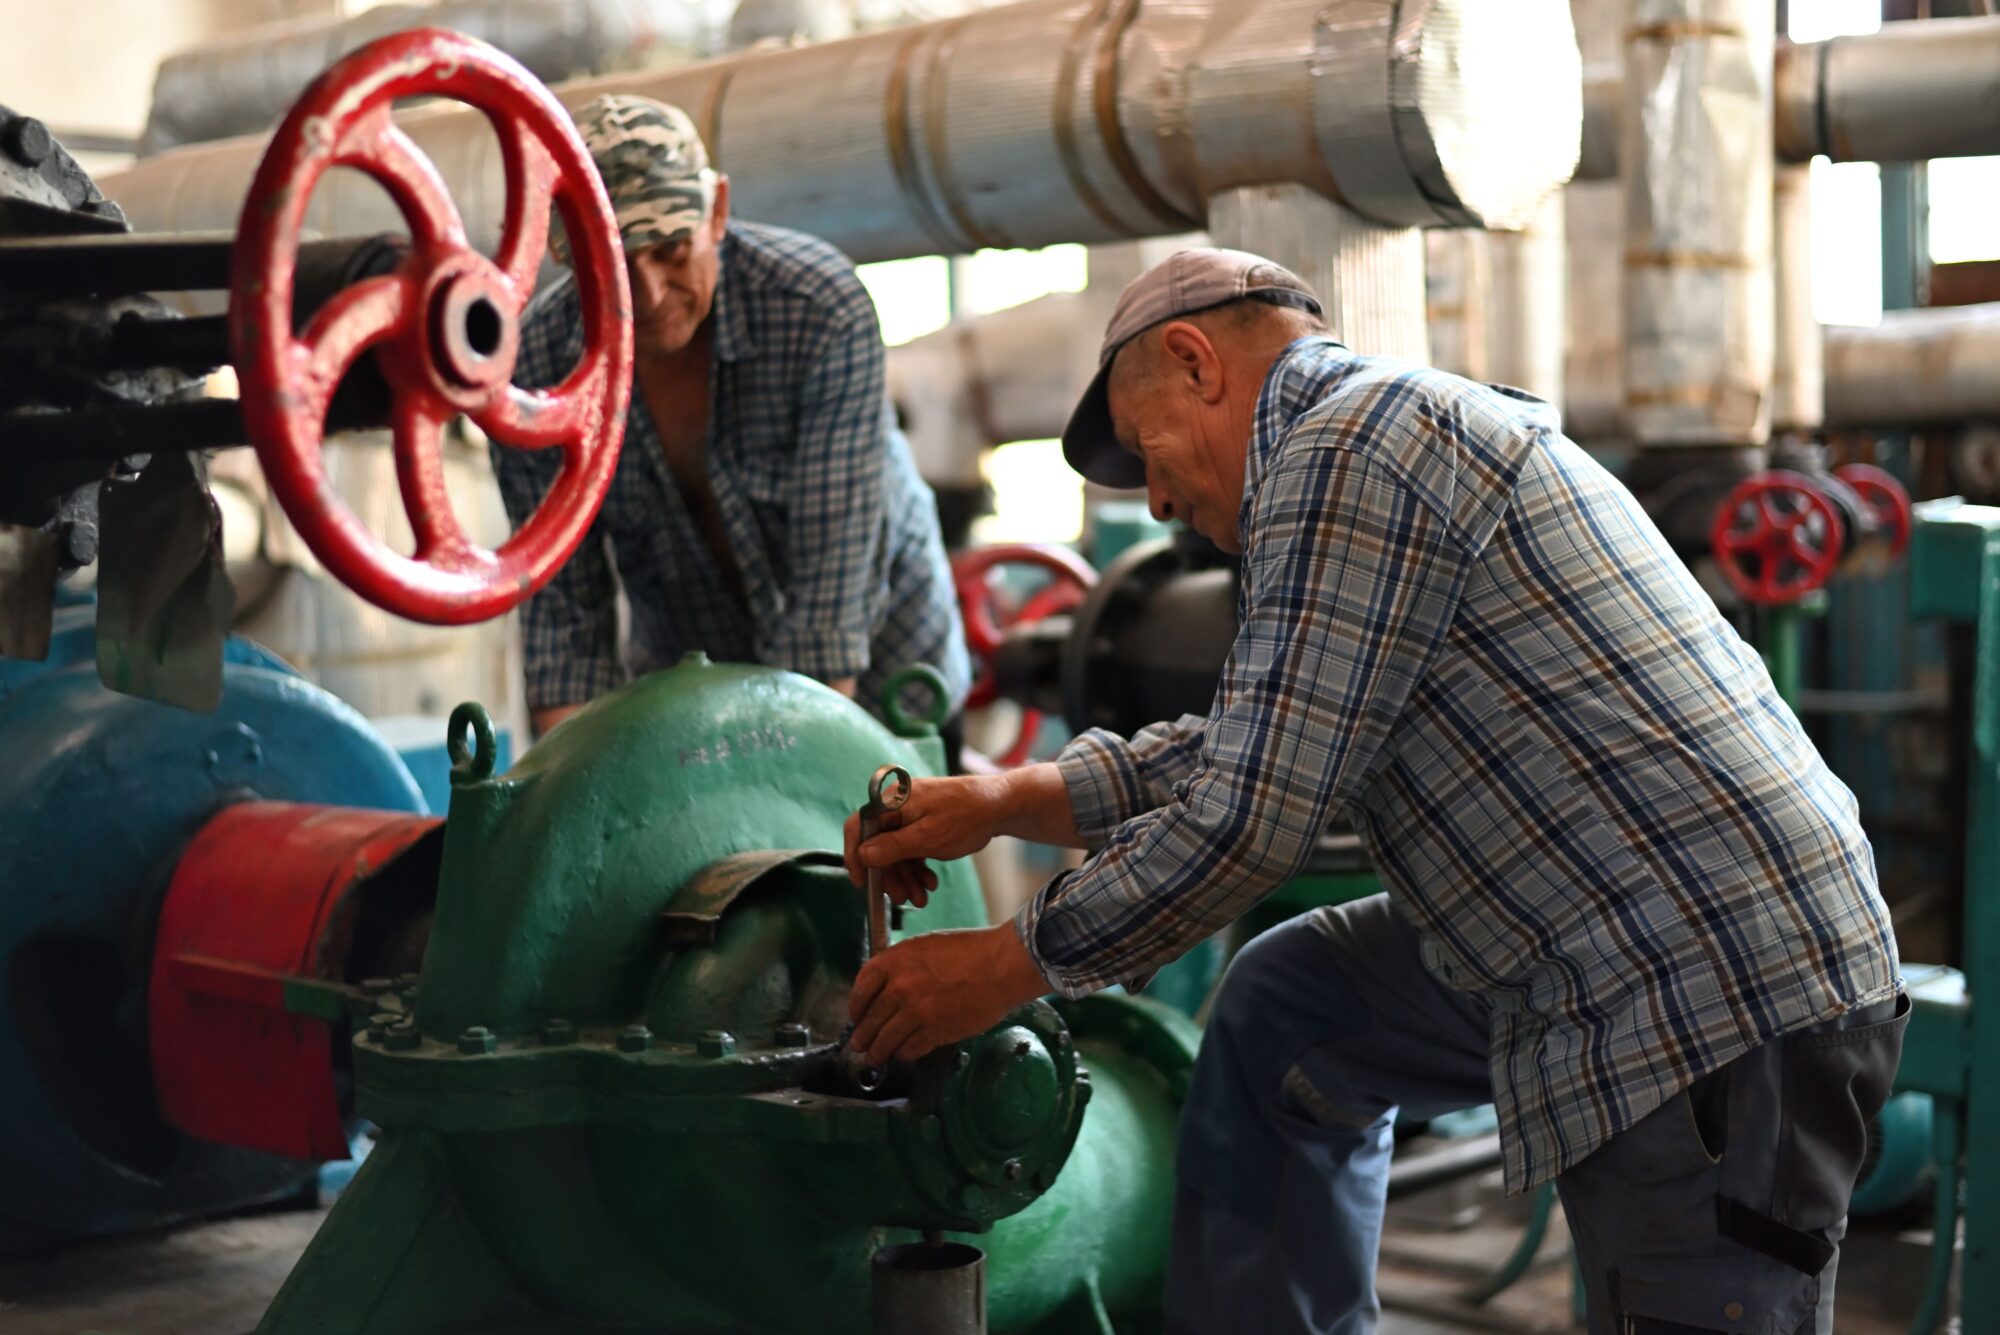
x=834, y=533
x=1573, y=776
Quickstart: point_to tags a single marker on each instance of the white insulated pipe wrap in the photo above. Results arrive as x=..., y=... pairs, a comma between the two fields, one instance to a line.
x=1054, y=120
x=1698, y=168
x=1915, y=368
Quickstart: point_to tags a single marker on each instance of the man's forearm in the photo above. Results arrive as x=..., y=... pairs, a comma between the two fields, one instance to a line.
x=1034, y=805
x=541, y=720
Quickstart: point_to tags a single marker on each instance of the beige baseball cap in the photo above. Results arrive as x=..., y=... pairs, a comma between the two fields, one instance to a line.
x=1182, y=284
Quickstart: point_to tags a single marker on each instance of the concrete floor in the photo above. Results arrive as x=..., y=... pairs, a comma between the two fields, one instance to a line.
x=215, y=1279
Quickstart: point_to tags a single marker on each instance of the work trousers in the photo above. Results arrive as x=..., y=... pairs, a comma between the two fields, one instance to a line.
x=1721, y=1211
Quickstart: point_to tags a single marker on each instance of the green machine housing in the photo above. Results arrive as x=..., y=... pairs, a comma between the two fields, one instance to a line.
x=615, y=1096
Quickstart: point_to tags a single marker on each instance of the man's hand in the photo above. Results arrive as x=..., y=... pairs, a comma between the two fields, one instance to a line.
x=943, y=819
x=937, y=989
x=955, y=818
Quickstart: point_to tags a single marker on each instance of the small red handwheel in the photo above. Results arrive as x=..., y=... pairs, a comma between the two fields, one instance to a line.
x=1776, y=538
x=1888, y=503
x=445, y=324
x=986, y=622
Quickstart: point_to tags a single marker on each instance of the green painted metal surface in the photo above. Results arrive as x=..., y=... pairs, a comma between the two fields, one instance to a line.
x=1955, y=574
x=616, y=1097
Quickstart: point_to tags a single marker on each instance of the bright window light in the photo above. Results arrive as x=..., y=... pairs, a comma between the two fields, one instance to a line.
x=1846, y=241
x=1036, y=496
x=993, y=280
x=912, y=297
x=1965, y=197
x=1817, y=20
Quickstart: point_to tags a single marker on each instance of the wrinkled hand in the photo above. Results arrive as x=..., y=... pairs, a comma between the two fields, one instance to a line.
x=943, y=819
x=937, y=989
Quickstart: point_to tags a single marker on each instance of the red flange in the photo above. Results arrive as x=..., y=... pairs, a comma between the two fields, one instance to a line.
x=261, y=901
x=446, y=322
x=1888, y=503
x=986, y=621
x=1776, y=538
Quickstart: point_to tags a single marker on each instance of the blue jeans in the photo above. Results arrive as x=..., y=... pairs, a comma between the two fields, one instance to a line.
x=1713, y=1214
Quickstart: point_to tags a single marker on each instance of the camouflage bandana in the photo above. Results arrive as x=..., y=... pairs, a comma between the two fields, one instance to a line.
x=654, y=167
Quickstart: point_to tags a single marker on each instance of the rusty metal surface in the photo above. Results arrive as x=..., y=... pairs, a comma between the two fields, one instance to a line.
x=696, y=910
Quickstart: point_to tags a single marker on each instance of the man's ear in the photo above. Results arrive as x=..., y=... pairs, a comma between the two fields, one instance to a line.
x=719, y=215
x=1192, y=359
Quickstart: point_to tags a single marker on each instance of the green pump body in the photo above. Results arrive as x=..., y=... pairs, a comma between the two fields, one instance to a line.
x=616, y=1096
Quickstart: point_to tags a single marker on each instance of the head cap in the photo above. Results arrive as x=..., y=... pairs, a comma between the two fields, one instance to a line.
x=1182, y=284
x=654, y=166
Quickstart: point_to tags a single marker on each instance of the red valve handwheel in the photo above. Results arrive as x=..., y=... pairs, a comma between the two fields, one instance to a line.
x=986, y=624
x=1888, y=503
x=445, y=321
x=1776, y=538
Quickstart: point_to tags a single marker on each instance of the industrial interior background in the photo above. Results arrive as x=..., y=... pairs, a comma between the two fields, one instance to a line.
x=267, y=911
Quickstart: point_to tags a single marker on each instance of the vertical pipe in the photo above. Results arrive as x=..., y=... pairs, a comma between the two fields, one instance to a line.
x=1697, y=165
x=1457, y=282
x=1369, y=277
x=1798, y=363
x=1593, y=226
x=1525, y=331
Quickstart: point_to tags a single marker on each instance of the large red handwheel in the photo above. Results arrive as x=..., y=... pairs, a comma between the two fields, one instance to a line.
x=445, y=321
x=1776, y=538
x=1888, y=503
x=986, y=622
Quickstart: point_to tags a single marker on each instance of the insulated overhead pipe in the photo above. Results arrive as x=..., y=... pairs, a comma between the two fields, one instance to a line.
x=246, y=82
x=1916, y=367
x=1055, y=120
x=1911, y=92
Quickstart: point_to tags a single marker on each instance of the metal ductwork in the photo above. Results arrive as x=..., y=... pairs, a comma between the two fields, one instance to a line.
x=1916, y=367
x=244, y=84
x=1910, y=92
x=1054, y=120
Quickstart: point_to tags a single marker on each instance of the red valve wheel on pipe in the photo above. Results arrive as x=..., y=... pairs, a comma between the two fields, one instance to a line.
x=1888, y=503
x=445, y=321
x=1776, y=538
x=986, y=623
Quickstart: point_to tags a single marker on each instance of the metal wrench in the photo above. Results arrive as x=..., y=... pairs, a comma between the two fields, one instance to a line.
x=881, y=799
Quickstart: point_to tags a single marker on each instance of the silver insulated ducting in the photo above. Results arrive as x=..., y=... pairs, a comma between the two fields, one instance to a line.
x=245, y=83
x=1910, y=92
x=1697, y=176
x=1054, y=120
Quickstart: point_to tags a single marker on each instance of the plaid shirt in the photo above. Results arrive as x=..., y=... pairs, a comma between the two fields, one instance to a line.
x=843, y=571
x=1573, y=776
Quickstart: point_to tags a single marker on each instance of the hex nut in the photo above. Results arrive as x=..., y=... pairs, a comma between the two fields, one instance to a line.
x=556, y=1033
x=634, y=1038
x=716, y=1043
x=402, y=1036
x=477, y=1041
x=794, y=1036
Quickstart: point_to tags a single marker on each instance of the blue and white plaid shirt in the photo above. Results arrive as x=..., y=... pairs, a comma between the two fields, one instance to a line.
x=1572, y=774
x=843, y=571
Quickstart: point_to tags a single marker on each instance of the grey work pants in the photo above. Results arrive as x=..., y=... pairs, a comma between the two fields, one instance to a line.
x=1722, y=1211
